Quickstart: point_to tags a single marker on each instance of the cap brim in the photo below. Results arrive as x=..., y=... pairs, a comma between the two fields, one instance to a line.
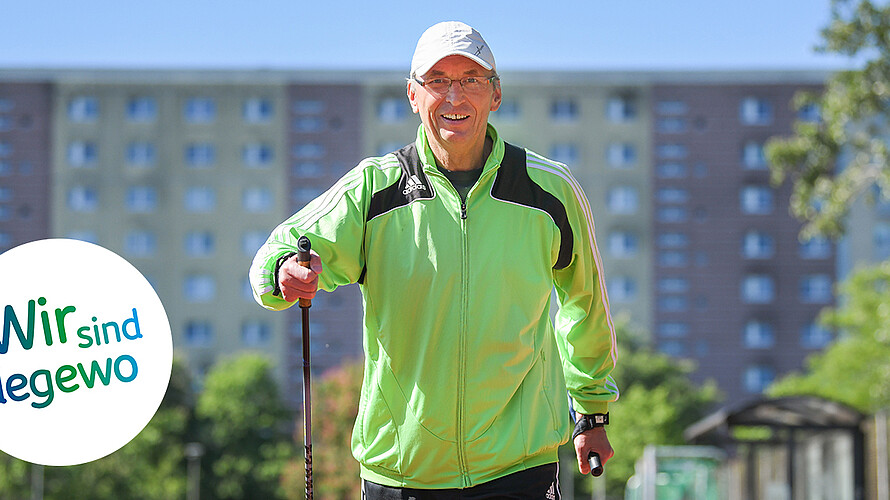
x=421, y=70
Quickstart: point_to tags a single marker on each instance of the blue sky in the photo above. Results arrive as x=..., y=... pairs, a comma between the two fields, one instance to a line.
x=344, y=34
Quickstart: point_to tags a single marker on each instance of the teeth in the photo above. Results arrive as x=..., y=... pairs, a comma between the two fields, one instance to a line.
x=455, y=117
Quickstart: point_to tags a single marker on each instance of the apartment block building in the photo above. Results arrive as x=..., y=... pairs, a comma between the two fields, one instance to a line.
x=735, y=287
x=185, y=173
x=25, y=123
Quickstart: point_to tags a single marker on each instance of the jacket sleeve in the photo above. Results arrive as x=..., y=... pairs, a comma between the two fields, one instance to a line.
x=334, y=224
x=585, y=334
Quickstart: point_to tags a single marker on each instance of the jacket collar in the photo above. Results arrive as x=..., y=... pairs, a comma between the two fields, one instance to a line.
x=492, y=162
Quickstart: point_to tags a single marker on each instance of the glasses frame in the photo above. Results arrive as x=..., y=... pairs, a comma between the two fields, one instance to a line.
x=451, y=81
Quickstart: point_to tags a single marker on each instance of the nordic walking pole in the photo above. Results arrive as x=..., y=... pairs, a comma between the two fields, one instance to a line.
x=303, y=259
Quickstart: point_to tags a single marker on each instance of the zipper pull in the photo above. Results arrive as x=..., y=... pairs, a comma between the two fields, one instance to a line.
x=463, y=210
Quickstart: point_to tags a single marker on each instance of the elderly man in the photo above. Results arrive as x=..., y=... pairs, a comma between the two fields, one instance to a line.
x=457, y=241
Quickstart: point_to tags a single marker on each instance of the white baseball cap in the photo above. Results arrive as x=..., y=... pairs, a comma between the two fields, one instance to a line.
x=446, y=39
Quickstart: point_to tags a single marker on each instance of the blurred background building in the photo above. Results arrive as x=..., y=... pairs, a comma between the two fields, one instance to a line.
x=185, y=173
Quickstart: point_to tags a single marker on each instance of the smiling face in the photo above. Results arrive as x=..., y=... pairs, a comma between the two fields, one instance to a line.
x=455, y=122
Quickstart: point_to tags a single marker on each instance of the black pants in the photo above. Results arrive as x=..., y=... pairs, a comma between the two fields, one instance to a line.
x=537, y=483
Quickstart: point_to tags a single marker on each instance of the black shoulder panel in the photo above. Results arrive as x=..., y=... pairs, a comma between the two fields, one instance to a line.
x=514, y=185
x=412, y=185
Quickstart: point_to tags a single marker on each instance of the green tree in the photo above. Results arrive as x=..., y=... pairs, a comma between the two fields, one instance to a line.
x=335, y=473
x=658, y=401
x=852, y=126
x=855, y=369
x=245, y=430
x=151, y=466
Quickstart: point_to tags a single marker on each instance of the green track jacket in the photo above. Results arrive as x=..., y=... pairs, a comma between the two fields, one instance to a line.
x=465, y=373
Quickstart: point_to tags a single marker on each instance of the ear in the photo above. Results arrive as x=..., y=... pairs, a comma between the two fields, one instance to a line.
x=496, y=97
x=412, y=96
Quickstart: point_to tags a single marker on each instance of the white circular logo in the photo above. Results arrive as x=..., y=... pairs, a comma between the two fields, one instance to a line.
x=85, y=352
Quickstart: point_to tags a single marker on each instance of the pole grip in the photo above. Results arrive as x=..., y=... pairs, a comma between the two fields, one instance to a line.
x=304, y=258
x=596, y=466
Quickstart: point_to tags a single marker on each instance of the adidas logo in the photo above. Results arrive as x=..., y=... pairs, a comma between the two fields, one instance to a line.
x=413, y=184
x=551, y=493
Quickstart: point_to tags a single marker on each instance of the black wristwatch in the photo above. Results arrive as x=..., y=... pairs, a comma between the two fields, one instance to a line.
x=587, y=422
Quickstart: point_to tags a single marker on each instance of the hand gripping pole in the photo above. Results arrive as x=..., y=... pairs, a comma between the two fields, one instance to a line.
x=303, y=259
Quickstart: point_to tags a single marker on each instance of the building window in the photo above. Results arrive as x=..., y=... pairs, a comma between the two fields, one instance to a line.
x=251, y=241
x=623, y=200
x=672, y=259
x=672, y=195
x=817, y=247
x=671, y=151
x=201, y=199
x=756, y=200
x=620, y=109
x=758, y=245
x=564, y=110
x=392, y=109
x=671, y=108
x=673, y=240
x=621, y=154
x=257, y=155
x=673, y=303
x=5, y=123
x=5, y=193
x=140, y=244
x=257, y=110
x=671, y=125
x=565, y=152
x=83, y=109
x=5, y=240
x=758, y=335
x=199, y=244
x=509, y=110
x=83, y=154
x=672, y=215
x=755, y=111
x=308, y=150
x=255, y=333
x=200, y=110
x=673, y=329
x=302, y=196
x=758, y=289
x=670, y=170
x=308, y=106
x=83, y=199
x=198, y=334
x=623, y=244
x=141, y=154
x=756, y=379
x=809, y=113
x=257, y=200
x=753, y=157
x=673, y=284
x=142, y=109
x=814, y=336
x=622, y=289
x=6, y=105
x=815, y=289
x=200, y=155
x=142, y=199
x=306, y=124
x=306, y=169
x=199, y=288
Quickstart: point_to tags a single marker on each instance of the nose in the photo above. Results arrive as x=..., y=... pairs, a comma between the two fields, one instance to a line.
x=455, y=92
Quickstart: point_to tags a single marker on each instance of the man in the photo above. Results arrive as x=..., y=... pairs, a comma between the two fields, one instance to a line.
x=457, y=241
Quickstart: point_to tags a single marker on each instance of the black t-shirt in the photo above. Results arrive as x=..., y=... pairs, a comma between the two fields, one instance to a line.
x=462, y=180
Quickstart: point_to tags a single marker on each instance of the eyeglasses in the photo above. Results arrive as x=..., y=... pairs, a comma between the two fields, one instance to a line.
x=470, y=84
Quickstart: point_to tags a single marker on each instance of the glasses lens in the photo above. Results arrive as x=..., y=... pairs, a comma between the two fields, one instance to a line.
x=439, y=85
